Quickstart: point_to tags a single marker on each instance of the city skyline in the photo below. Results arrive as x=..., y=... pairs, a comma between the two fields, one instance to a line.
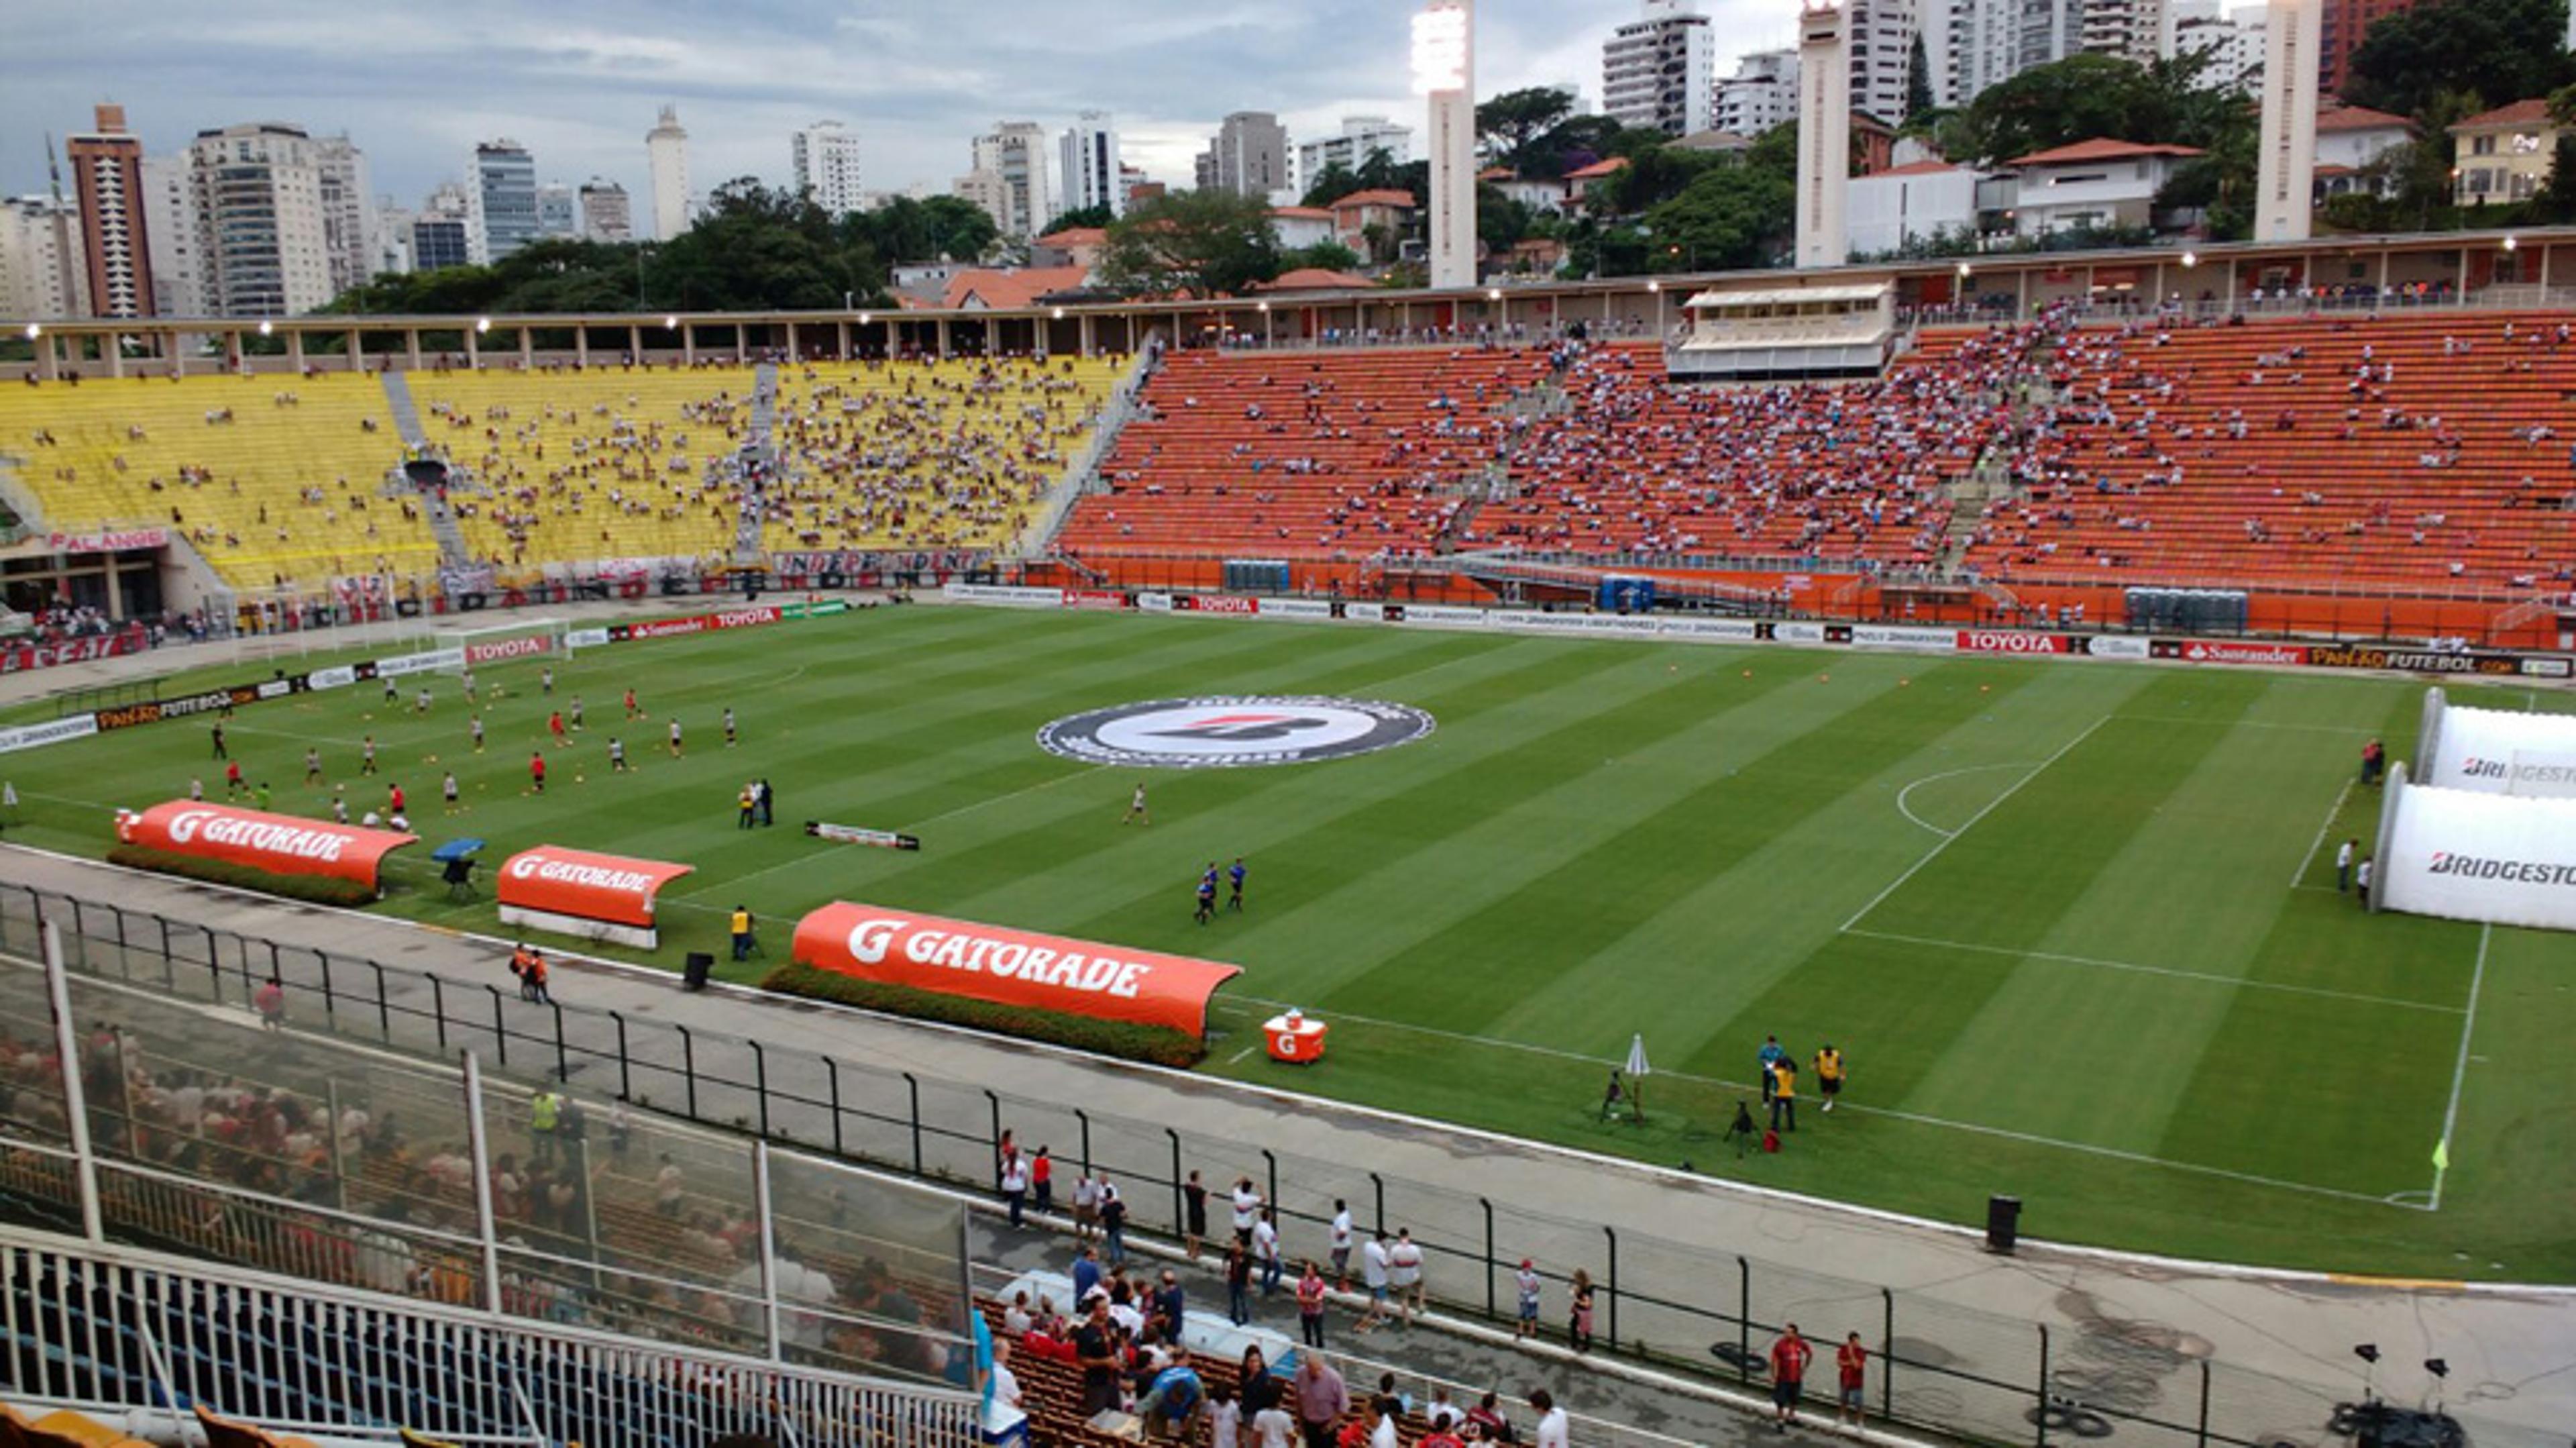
x=580, y=83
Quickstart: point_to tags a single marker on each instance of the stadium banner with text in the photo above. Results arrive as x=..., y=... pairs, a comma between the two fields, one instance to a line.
x=2499, y=859
x=1109, y=598
x=108, y=540
x=2008, y=641
x=861, y=835
x=20, y=658
x=1011, y=967
x=1885, y=636
x=253, y=839
x=696, y=623
x=1011, y=595
x=2224, y=651
x=577, y=892
x=1215, y=603
x=2107, y=646
x=35, y=736
x=527, y=646
x=424, y=663
x=2412, y=661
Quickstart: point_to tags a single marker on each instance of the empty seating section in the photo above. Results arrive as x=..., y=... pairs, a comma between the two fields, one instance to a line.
x=271, y=478
x=1639, y=465
x=2416, y=450
x=1305, y=456
x=566, y=466
x=926, y=455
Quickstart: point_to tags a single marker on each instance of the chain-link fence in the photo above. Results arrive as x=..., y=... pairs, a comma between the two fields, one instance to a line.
x=1934, y=1364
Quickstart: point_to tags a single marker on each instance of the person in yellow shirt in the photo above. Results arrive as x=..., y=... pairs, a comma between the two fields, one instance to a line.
x=743, y=943
x=1784, y=1095
x=1829, y=1074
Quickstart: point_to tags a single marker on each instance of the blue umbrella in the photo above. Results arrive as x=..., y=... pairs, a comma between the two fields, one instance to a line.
x=464, y=849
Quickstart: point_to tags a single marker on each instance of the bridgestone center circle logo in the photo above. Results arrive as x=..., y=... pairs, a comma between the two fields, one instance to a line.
x=1232, y=731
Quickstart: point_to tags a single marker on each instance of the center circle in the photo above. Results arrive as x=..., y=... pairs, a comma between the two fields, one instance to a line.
x=1232, y=731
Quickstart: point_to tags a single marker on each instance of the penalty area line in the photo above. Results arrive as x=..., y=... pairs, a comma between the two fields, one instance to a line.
x=2324, y=826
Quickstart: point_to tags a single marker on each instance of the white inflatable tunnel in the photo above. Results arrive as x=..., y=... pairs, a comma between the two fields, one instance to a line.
x=2466, y=855
x=2498, y=751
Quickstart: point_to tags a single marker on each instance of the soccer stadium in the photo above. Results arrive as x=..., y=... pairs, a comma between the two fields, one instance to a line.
x=1966, y=841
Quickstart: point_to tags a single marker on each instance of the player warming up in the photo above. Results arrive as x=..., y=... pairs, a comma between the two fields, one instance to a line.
x=1136, y=814
x=1235, y=875
x=1207, y=894
x=675, y=739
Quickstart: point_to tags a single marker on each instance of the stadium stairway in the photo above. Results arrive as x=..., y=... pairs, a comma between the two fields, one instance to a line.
x=760, y=447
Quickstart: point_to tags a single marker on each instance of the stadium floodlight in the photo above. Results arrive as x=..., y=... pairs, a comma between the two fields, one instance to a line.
x=866, y=317
x=671, y=323
x=2190, y=259
x=1439, y=51
x=1653, y=287
x=267, y=328
x=1059, y=314
x=2512, y=243
x=34, y=330
x=1966, y=270
x=1493, y=294
x=482, y=324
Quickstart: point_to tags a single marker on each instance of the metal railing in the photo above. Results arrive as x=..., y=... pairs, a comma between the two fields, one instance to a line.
x=1936, y=1365
x=112, y=1329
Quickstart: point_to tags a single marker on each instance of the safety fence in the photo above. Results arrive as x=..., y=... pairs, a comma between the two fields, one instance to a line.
x=1935, y=1365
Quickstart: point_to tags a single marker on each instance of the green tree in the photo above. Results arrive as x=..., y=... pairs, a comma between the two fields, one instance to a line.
x=1322, y=256
x=2220, y=182
x=1192, y=243
x=1331, y=184
x=1378, y=172
x=1918, y=82
x=1511, y=123
x=1501, y=221
x=1736, y=214
x=2507, y=50
x=1083, y=216
x=2071, y=100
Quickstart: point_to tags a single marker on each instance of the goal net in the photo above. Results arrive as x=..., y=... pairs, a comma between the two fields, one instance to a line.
x=501, y=643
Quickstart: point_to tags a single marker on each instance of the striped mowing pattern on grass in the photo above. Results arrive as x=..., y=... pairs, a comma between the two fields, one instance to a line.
x=2074, y=925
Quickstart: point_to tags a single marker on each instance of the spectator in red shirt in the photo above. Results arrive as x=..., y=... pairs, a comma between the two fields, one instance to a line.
x=1789, y=1358
x=1851, y=1364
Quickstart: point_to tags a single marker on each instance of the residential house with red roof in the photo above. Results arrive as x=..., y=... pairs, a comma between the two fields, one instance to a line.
x=2099, y=184
x=2504, y=155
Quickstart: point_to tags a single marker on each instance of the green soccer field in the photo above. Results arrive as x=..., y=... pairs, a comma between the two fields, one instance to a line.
x=2075, y=926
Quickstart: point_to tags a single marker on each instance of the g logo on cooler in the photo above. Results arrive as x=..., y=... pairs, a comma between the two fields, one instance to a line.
x=869, y=939
x=184, y=824
x=526, y=865
x=1233, y=731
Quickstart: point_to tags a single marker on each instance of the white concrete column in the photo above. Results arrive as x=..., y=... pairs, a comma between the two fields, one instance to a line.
x=1444, y=73
x=1824, y=137
x=411, y=346
x=354, y=345
x=2286, y=165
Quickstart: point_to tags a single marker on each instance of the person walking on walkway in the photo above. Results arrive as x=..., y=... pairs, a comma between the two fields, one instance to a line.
x=1789, y=1358
x=1851, y=1369
x=1015, y=1187
x=1321, y=1399
x=1310, y=1306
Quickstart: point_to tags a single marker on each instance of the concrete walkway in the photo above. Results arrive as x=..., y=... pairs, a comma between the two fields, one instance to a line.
x=2131, y=1332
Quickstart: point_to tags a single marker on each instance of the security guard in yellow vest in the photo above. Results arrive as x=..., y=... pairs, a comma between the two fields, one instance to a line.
x=743, y=943
x=1829, y=1074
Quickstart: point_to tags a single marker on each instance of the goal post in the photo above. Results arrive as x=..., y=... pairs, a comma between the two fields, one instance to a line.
x=519, y=639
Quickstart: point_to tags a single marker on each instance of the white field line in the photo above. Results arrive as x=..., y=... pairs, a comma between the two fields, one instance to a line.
x=1848, y=1105
x=2233, y=982
x=2460, y=1071
x=1991, y=806
x=1903, y=794
x=2323, y=827
x=2243, y=724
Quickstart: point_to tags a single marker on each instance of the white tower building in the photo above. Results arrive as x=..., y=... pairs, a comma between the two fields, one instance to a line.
x=667, y=147
x=1444, y=73
x=1824, y=137
x=2286, y=170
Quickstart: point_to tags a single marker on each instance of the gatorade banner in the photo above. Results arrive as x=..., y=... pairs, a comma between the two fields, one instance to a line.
x=275, y=843
x=598, y=897
x=1011, y=967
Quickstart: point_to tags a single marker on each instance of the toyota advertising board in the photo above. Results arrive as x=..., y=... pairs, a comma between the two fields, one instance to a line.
x=275, y=844
x=1011, y=967
x=576, y=892
x=2008, y=641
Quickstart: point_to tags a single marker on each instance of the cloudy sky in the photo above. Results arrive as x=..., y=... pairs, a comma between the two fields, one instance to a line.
x=579, y=81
